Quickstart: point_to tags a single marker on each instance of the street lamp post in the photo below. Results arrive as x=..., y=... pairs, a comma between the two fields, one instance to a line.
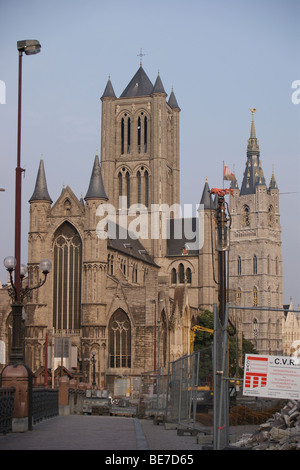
x=29, y=47
x=16, y=373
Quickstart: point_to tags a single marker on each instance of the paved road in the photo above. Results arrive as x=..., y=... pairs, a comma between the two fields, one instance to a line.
x=80, y=432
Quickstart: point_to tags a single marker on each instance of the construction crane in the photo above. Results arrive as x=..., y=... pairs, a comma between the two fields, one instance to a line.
x=198, y=328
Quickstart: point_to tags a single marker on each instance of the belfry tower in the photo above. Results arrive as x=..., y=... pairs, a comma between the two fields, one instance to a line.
x=255, y=259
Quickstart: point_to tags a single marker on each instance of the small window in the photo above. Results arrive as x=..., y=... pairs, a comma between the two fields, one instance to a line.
x=238, y=296
x=254, y=296
x=245, y=216
x=173, y=276
x=254, y=264
x=181, y=274
x=239, y=265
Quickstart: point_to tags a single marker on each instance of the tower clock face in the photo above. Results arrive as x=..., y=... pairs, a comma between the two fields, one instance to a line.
x=245, y=216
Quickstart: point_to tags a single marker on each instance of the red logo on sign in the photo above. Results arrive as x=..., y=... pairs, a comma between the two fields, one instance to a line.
x=256, y=372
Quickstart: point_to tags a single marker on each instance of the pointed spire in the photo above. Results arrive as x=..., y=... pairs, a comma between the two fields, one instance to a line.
x=172, y=101
x=273, y=182
x=206, y=197
x=253, y=145
x=158, y=86
x=40, y=192
x=96, y=188
x=252, y=133
x=109, y=91
x=253, y=174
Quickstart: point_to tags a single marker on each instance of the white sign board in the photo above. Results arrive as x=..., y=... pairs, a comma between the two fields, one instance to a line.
x=272, y=376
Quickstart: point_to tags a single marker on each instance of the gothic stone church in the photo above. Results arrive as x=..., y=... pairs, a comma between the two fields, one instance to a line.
x=133, y=300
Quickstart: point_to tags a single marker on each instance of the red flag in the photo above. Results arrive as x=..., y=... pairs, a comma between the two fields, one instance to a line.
x=228, y=175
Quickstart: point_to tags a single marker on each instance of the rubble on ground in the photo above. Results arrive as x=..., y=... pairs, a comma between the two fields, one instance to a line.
x=281, y=432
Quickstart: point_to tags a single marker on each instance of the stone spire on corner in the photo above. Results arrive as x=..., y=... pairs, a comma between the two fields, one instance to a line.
x=40, y=192
x=96, y=188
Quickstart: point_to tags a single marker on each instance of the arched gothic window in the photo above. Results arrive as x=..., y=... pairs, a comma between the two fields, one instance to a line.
x=139, y=187
x=255, y=329
x=238, y=296
x=245, y=216
x=239, y=265
x=143, y=186
x=173, y=276
x=128, y=188
x=254, y=296
x=142, y=133
x=146, y=176
x=189, y=276
x=125, y=134
x=254, y=264
x=119, y=340
x=124, y=186
x=67, y=278
x=181, y=274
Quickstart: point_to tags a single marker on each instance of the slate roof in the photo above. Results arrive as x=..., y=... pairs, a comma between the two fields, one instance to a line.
x=206, y=198
x=139, y=85
x=129, y=245
x=96, y=188
x=158, y=86
x=40, y=192
x=172, y=101
x=109, y=91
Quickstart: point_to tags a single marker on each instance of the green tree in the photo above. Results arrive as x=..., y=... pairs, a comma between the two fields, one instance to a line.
x=204, y=339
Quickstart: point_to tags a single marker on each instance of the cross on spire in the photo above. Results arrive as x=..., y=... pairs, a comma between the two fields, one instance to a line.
x=140, y=55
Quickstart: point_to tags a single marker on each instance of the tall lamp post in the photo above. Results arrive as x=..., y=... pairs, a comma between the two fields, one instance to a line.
x=16, y=373
x=29, y=47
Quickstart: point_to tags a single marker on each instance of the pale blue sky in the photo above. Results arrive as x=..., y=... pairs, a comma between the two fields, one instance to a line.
x=221, y=57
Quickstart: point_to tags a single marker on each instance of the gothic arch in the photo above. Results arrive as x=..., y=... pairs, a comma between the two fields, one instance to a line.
x=255, y=296
x=181, y=271
x=142, y=130
x=67, y=261
x=238, y=296
x=124, y=176
x=119, y=340
x=254, y=264
x=124, y=132
x=142, y=176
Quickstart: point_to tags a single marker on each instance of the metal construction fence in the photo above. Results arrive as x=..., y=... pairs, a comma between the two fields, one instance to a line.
x=174, y=394
x=196, y=391
x=189, y=387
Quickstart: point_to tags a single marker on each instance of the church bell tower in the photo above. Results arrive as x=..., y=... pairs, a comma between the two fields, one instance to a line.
x=140, y=149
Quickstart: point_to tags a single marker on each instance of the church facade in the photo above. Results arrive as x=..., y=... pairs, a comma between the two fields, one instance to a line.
x=124, y=287
x=126, y=291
